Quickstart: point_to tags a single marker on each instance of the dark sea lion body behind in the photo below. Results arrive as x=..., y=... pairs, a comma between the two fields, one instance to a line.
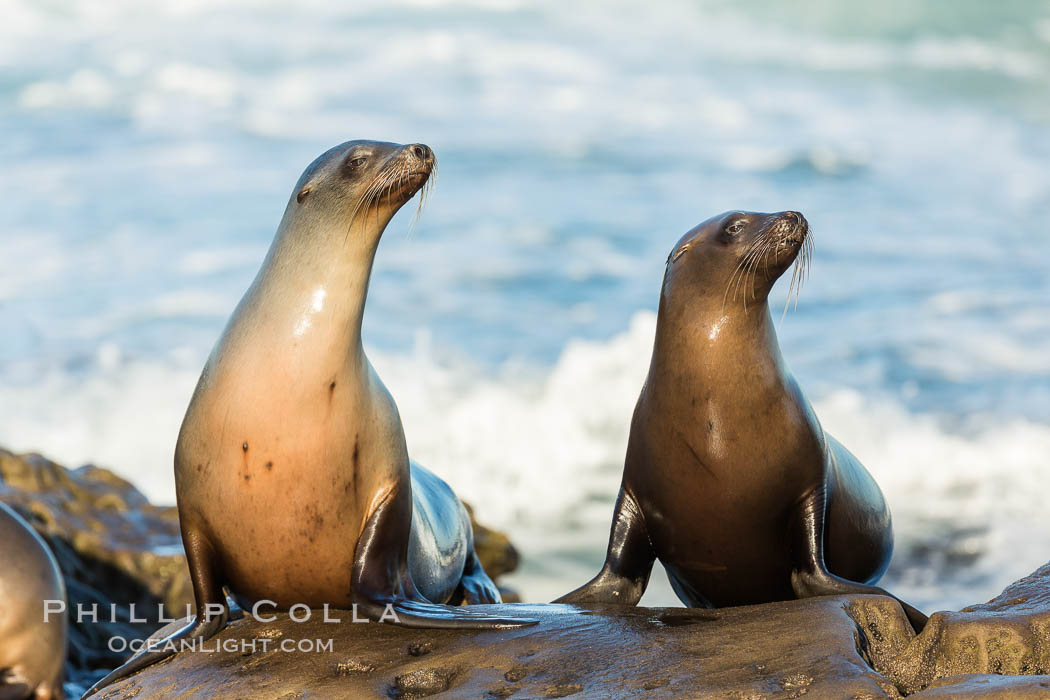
x=729, y=479
x=32, y=641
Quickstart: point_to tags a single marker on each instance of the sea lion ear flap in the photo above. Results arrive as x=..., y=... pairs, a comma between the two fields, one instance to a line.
x=302, y=194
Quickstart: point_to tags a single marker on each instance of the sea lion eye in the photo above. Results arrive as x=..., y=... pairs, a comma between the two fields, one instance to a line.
x=735, y=227
x=357, y=162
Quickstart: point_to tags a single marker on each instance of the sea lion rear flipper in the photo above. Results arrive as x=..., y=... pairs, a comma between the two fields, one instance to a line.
x=382, y=588
x=209, y=620
x=810, y=575
x=475, y=586
x=628, y=561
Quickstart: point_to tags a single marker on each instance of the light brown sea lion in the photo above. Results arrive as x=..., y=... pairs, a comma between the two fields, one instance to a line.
x=292, y=474
x=32, y=636
x=729, y=479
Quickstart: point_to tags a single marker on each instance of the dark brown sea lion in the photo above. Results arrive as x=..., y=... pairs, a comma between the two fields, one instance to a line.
x=32, y=635
x=729, y=479
x=292, y=474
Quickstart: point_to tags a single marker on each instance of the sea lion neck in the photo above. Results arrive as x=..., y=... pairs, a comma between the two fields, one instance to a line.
x=312, y=287
x=723, y=340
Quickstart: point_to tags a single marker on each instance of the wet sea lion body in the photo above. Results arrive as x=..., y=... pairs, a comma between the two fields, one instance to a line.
x=292, y=474
x=729, y=479
x=32, y=641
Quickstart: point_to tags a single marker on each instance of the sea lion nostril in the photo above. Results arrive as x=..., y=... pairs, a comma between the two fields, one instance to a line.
x=420, y=151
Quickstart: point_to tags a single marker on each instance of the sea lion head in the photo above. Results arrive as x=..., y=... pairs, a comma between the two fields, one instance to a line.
x=737, y=256
x=361, y=183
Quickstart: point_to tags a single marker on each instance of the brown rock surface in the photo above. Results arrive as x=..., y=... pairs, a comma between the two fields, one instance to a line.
x=1009, y=635
x=987, y=687
x=836, y=647
x=782, y=650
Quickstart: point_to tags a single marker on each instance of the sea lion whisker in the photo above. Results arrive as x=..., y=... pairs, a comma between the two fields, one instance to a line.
x=803, y=265
x=759, y=258
x=425, y=192
x=364, y=199
x=377, y=194
x=791, y=289
x=748, y=274
x=800, y=272
x=732, y=278
x=766, y=250
x=752, y=250
x=729, y=282
x=750, y=262
x=749, y=277
x=375, y=190
x=391, y=180
x=738, y=273
x=807, y=262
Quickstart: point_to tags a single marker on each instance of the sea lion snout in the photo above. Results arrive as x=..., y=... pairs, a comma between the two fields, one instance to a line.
x=422, y=153
x=412, y=167
x=797, y=218
x=395, y=179
x=415, y=158
x=785, y=233
x=790, y=227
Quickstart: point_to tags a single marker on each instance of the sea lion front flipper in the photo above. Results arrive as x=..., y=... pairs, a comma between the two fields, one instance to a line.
x=628, y=561
x=212, y=612
x=382, y=588
x=810, y=575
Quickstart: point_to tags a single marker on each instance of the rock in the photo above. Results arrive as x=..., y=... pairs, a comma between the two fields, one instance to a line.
x=987, y=687
x=1009, y=635
x=115, y=548
x=858, y=647
x=782, y=650
x=424, y=681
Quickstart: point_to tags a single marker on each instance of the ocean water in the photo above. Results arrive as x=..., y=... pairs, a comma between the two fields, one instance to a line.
x=148, y=151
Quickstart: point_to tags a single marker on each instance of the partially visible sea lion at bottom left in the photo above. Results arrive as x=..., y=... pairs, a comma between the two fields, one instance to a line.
x=32, y=641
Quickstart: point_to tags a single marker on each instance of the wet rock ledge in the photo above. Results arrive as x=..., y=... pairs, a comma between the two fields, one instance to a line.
x=836, y=647
x=114, y=546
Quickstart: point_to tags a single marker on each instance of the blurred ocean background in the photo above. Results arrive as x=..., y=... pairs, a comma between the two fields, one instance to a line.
x=148, y=150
